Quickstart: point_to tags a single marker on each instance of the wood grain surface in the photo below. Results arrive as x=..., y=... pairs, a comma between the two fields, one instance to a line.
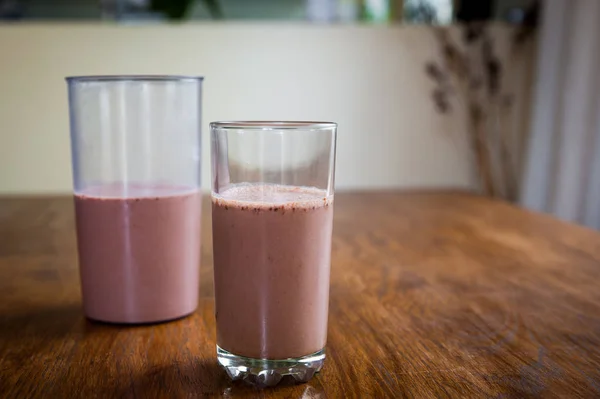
x=433, y=294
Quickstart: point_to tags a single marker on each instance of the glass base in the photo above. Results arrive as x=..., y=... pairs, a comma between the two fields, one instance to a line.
x=269, y=373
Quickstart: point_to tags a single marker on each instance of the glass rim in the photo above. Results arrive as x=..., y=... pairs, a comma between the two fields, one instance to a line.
x=135, y=78
x=273, y=125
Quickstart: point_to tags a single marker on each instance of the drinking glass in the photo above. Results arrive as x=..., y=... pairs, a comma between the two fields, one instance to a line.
x=272, y=208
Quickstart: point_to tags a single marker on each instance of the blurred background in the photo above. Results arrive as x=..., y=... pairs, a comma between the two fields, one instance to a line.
x=494, y=96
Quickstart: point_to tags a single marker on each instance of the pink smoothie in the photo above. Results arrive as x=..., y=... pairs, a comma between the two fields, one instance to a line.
x=272, y=249
x=138, y=252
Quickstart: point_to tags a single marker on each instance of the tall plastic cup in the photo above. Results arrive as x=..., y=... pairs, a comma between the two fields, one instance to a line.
x=135, y=144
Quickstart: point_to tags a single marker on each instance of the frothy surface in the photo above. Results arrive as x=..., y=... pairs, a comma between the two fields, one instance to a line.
x=272, y=194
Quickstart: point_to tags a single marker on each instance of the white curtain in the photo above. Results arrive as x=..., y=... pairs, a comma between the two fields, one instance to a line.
x=562, y=175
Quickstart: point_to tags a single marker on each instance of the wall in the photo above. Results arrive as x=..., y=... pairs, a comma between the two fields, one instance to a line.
x=370, y=80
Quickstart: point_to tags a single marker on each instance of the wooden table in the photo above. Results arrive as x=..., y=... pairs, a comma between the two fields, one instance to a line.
x=432, y=295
